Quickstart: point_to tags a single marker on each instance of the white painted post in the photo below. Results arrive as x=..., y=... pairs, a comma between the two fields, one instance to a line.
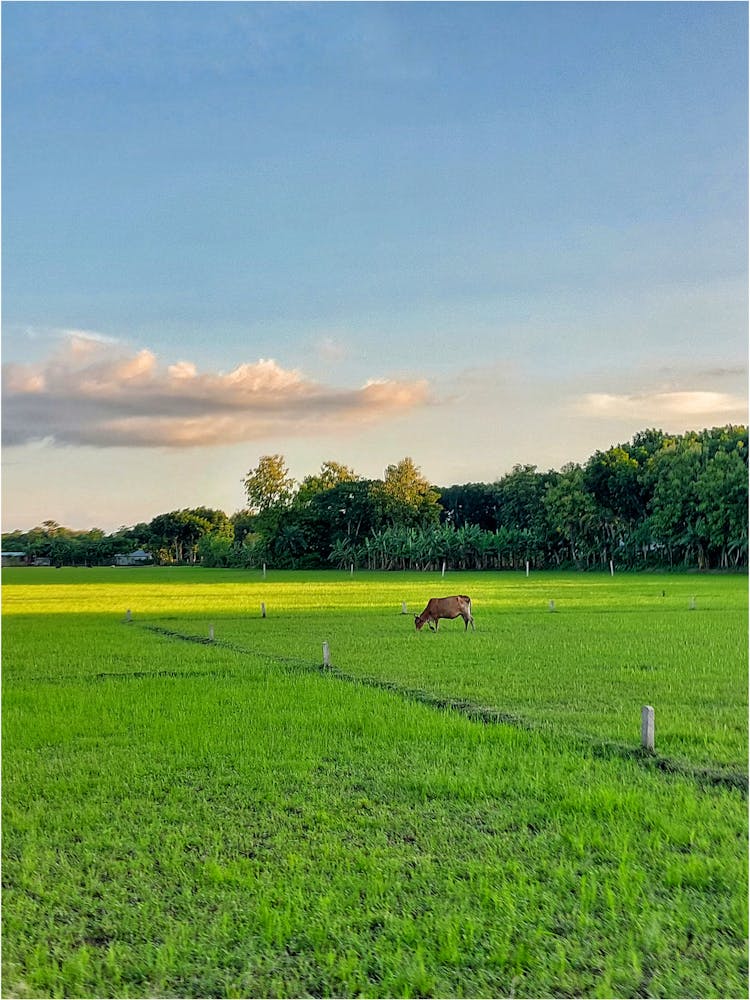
x=264, y=571
x=211, y=632
x=443, y=573
x=611, y=568
x=403, y=608
x=692, y=604
x=128, y=616
x=351, y=570
x=647, y=727
x=527, y=567
x=552, y=605
x=262, y=610
x=326, y=655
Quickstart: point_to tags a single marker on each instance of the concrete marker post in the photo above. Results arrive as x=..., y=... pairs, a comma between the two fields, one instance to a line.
x=211, y=633
x=262, y=610
x=647, y=727
x=326, y=655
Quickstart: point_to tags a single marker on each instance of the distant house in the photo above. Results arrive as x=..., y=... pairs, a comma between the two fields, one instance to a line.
x=137, y=558
x=14, y=558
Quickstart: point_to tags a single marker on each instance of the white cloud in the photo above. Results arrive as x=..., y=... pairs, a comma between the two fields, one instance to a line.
x=87, y=335
x=649, y=406
x=94, y=392
x=330, y=349
x=182, y=369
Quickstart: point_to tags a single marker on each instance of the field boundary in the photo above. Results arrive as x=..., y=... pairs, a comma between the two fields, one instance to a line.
x=486, y=715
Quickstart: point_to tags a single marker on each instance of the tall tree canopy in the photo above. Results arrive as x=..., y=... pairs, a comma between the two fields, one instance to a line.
x=406, y=497
x=268, y=485
x=331, y=474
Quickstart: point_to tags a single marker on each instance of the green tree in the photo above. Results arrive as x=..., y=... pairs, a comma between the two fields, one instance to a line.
x=270, y=491
x=470, y=503
x=175, y=536
x=674, y=520
x=217, y=551
x=289, y=546
x=519, y=500
x=722, y=501
x=406, y=497
x=201, y=522
x=350, y=510
x=331, y=474
x=269, y=485
x=572, y=515
x=243, y=523
x=613, y=478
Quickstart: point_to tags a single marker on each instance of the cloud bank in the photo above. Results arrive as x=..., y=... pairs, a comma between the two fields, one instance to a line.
x=692, y=405
x=93, y=392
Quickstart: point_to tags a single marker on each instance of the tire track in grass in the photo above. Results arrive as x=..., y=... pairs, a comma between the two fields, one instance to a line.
x=486, y=715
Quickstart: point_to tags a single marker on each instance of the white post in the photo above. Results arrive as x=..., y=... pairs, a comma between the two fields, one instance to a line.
x=527, y=567
x=403, y=608
x=611, y=568
x=128, y=616
x=211, y=632
x=443, y=573
x=262, y=610
x=264, y=571
x=326, y=655
x=351, y=570
x=692, y=604
x=552, y=605
x=647, y=727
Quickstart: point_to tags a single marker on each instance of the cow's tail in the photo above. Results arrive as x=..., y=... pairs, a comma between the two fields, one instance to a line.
x=470, y=620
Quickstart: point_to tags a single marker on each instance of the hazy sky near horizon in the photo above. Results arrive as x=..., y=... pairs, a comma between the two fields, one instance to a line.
x=475, y=234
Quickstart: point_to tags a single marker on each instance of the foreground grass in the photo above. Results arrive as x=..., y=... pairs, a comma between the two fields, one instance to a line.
x=189, y=820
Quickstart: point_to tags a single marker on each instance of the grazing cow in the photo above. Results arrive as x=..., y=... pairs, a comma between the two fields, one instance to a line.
x=445, y=607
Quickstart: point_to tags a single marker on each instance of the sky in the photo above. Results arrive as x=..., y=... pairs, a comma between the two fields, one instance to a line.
x=473, y=234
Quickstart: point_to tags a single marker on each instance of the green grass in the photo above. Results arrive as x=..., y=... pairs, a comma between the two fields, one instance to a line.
x=199, y=820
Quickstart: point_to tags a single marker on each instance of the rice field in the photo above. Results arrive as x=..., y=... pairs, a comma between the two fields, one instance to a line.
x=439, y=815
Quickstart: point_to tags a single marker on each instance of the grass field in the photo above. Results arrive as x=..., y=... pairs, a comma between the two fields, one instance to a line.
x=227, y=819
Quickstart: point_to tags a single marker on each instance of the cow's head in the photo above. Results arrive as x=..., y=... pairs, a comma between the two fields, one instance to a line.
x=418, y=621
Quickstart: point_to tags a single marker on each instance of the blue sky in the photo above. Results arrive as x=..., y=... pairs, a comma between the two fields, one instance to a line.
x=472, y=233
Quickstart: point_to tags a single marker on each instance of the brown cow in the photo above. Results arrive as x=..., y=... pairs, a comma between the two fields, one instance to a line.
x=445, y=607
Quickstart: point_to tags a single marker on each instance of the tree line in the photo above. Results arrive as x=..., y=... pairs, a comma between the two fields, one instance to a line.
x=658, y=501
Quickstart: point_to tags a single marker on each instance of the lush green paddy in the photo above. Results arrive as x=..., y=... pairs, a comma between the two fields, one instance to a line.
x=226, y=819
